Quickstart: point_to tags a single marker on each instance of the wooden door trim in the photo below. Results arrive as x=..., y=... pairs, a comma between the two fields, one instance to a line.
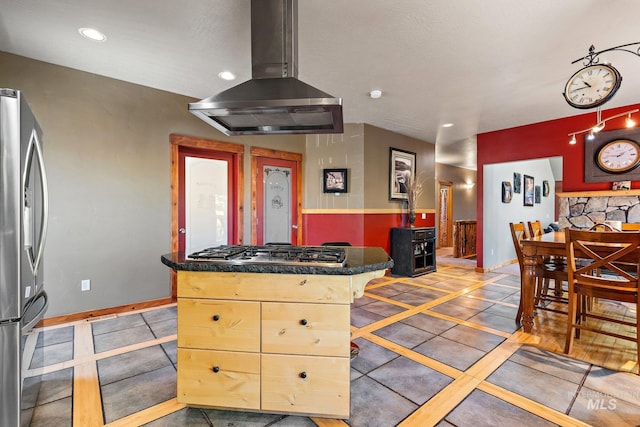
x=257, y=152
x=178, y=141
x=449, y=208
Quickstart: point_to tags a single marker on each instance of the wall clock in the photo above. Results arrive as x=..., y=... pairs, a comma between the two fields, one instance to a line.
x=618, y=156
x=592, y=86
x=603, y=153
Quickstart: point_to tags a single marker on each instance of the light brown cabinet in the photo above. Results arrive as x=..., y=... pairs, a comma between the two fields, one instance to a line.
x=265, y=342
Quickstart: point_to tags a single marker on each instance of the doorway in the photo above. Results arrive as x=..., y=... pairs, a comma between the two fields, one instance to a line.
x=445, y=207
x=276, y=211
x=207, y=193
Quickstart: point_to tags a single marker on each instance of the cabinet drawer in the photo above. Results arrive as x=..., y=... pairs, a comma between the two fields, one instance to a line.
x=424, y=234
x=235, y=384
x=313, y=329
x=306, y=384
x=265, y=287
x=219, y=324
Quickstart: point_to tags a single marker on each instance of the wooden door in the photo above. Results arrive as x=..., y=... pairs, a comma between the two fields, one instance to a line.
x=276, y=208
x=232, y=155
x=445, y=220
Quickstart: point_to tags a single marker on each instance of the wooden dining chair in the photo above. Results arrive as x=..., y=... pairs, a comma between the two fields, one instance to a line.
x=631, y=226
x=544, y=272
x=536, y=229
x=603, y=273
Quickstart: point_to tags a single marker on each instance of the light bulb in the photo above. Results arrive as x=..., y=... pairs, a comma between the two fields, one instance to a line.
x=573, y=141
x=597, y=128
x=630, y=122
x=226, y=75
x=92, y=34
x=591, y=136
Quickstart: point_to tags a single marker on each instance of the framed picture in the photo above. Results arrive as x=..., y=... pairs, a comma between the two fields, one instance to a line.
x=517, y=182
x=529, y=191
x=506, y=192
x=537, y=194
x=402, y=168
x=621, y=185
x=545, y=188
x=334, y=180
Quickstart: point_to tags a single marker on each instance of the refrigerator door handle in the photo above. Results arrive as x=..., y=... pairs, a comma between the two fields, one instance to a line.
x=26, y=328
x=35, y=149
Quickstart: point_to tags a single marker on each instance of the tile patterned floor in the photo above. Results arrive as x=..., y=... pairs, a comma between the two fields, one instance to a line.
x=440, y=349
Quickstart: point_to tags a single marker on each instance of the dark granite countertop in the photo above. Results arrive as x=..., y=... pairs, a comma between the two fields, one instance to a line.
x=359, y=260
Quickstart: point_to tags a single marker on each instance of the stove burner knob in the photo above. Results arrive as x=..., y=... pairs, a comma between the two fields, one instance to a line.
x=216, y=369
x=216, y=318
x=303, y=374
x=304, y=322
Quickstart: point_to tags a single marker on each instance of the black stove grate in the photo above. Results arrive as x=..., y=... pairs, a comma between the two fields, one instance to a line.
x=218, y=252
x=275, y=254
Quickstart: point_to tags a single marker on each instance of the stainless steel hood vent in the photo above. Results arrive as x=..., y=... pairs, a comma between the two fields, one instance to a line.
x=274, y=101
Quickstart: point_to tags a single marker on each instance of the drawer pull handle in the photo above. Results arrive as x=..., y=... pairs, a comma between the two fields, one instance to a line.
x=216, y=369
x=304, y=322
x=303, y=282
x=216, y=318
x=303, y=374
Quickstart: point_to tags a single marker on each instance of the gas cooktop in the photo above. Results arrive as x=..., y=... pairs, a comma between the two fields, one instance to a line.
x=321, y=256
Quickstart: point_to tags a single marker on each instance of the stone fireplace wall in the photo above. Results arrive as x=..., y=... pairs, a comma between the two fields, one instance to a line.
x=584, y=212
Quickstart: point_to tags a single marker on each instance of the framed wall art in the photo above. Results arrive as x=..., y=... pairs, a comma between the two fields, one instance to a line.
x=538, y=199
x=621, y=185
x=334, y=180
x=545, y=188
x=506, y=192
x=517, y=182
x=402, y=168
x=529, y=191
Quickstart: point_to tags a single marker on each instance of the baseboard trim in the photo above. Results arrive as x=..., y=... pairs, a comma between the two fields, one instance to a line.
x=495, y=267
x=74, y=317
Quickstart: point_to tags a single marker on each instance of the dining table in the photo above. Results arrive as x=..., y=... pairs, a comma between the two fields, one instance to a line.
x=533, y=250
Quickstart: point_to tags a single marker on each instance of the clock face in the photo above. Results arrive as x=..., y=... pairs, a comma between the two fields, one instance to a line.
x=618, y=156
x=592, y=86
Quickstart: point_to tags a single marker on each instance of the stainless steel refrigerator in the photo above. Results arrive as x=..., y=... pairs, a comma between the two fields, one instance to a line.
x=23, y=227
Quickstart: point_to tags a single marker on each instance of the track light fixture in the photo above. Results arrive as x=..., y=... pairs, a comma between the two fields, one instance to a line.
x=600, y=124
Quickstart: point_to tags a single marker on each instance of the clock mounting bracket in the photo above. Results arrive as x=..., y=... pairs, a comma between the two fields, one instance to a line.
x=592, y=57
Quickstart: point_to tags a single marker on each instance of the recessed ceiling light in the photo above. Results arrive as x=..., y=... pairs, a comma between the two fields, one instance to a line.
x=375, y=94
x=92, y=34
x=226, y=75
x=447, y=125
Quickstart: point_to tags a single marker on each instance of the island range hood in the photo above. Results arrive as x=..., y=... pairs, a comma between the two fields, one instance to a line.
x=274, y=101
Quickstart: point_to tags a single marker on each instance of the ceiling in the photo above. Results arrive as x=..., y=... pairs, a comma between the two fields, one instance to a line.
x=481, y=65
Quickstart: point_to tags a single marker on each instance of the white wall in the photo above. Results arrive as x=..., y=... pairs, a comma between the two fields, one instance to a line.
x=497, y=243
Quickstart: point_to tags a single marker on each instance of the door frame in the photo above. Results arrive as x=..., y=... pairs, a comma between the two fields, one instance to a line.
x=237, y=150
x=256, y=175
x=449, y=208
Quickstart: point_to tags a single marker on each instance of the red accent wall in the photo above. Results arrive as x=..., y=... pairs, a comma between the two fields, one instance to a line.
x=359, y=229
x=540, y=140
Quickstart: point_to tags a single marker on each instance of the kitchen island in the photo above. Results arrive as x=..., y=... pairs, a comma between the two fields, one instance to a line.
x=269, y=337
